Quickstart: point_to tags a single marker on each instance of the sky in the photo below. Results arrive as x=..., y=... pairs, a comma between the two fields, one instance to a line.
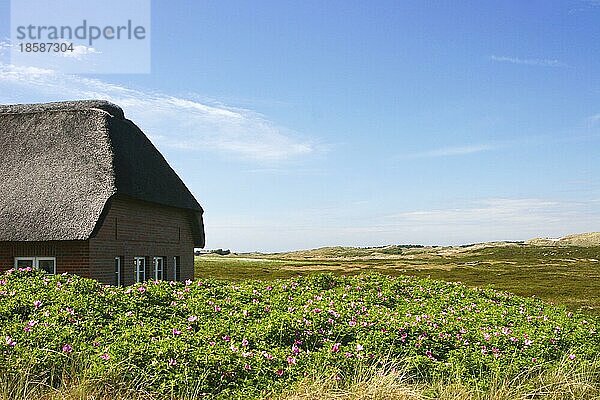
x=300, y=124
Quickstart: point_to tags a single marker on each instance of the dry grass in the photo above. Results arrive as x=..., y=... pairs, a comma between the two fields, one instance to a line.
x=26, y=386
x=567, y=381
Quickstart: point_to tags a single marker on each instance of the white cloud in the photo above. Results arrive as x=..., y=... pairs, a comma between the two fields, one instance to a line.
x=168, y=120
x=489, y=211
x=542, y=62
x=450, y=151
x=475, y=221
x=79, y=52
x=593, y=120
x=498, y=219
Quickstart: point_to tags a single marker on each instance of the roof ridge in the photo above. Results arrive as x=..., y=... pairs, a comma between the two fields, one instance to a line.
x=77, y=105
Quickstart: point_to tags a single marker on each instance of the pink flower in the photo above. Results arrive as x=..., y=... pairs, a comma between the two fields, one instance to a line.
x=245, y=343
x=188, y=282
x=227, y=338
x=172, y=362
x=104, y=356
x=295, y=349
x=141, y=289
x=528, y=342
x=176, y=332
x=192, y=318
x=429, y=355
x=291, y=360
x=10, y=342
x=217, y=308
x=67, y=348
x=279, y=372
x=267, y=355
x=211, y=343
x=348, y=355
x=335, y=348
x=571, y=357
x=247, y=367
x=359, y=347
x=37, y=304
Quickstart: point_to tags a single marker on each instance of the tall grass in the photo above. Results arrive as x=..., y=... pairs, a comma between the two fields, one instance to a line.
x=565, y=381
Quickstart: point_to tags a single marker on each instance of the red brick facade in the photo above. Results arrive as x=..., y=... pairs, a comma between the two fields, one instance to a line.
x=130, y=228
x=71, y=256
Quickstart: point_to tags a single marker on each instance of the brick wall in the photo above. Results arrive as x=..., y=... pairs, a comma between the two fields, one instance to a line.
x=131, y=228
x=134, y=228
x=71, y=256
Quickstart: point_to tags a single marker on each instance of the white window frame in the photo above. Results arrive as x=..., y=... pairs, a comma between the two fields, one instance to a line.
x=155, y=262
x=175, y=267
x=36, y=261
x=140, y=274
x=118, y=270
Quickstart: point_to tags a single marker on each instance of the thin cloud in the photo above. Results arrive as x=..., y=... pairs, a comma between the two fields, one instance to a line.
x=450, y=151
x=473, y=221
x=592, y=3
x=541, y=62
x=490, y=211
x=593, y=120
x=168, y=120
x=79, y=52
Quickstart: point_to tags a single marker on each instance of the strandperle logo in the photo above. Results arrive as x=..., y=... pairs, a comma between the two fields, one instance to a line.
x=74, y=36
x=85, y=31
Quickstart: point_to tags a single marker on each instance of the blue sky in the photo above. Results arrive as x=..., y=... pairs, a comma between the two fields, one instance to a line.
x=305, y=124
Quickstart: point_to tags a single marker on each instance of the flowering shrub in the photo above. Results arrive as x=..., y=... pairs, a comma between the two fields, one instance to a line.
x=254, y=337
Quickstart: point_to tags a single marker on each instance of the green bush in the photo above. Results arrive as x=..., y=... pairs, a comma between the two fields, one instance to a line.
x=248, y=339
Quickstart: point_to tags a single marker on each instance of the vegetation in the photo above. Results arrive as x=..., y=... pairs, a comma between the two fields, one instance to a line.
x=564, y=274
x=340, y=335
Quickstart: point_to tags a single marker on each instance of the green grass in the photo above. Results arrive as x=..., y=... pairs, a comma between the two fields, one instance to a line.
x=566, y=275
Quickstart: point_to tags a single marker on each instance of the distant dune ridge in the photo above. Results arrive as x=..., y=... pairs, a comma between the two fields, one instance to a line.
x=580, y=239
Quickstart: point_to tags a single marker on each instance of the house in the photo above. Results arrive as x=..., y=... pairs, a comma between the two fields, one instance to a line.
x=84, y=191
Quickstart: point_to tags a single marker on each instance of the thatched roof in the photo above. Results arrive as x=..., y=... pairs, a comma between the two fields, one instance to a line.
x=61, y=163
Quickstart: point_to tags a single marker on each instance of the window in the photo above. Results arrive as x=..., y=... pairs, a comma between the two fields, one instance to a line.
x=24, y=262
x=176, y=268
x=118, y=281
x=159, y=264
x=140, y=269
x=47, y=264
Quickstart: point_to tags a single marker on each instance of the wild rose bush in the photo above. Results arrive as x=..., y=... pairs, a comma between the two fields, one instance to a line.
x=252, y=338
